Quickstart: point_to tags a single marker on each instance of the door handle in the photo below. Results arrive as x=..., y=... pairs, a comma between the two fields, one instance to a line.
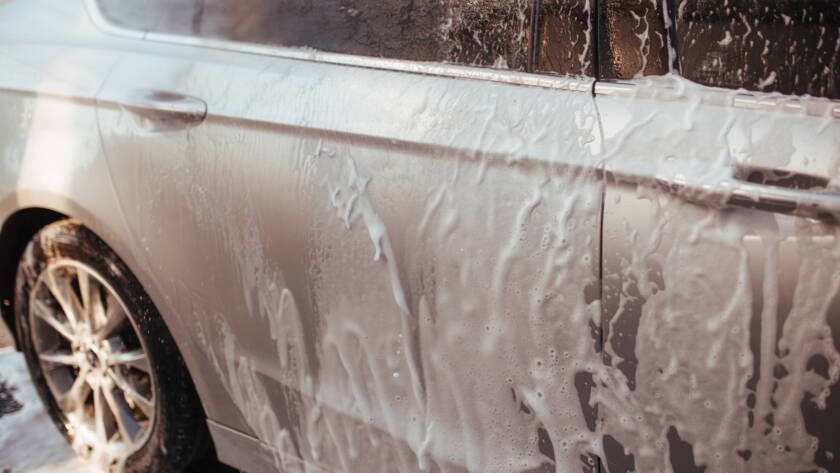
x=720, y=187
x=161, y=110
x=783, y=191
x=822, y=204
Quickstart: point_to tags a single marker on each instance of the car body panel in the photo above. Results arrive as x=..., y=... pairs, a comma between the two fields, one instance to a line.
x=374, y=264
x=722, y=322
x=53, y=155
x=334, y=226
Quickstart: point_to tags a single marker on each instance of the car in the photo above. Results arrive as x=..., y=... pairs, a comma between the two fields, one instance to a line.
x=451, y=236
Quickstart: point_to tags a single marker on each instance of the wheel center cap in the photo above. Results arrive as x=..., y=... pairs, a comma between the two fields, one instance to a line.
x=93, y=358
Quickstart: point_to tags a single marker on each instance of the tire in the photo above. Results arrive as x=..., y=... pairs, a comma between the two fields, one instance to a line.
x=125, y=379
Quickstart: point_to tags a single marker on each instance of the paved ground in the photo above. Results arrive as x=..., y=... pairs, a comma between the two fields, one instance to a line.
x=29, y=442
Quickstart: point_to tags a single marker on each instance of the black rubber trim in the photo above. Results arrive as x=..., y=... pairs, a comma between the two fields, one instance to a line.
x=669, y=10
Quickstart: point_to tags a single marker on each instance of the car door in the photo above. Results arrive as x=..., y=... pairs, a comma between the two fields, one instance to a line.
x=380, y=264
x=720, y=251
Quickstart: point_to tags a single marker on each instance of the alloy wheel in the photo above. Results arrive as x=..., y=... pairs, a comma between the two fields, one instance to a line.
x=94, y=363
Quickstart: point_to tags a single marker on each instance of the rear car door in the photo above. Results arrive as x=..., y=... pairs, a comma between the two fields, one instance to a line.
x=720, y=251
x=377, y=264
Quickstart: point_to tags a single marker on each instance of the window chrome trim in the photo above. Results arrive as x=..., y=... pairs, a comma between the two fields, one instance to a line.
x=568, y=83
x=659, y=88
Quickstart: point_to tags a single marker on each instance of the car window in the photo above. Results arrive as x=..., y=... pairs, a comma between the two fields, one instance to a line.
x=787, y=46
x=631, y=39
x=475, y=32
x=565, y=38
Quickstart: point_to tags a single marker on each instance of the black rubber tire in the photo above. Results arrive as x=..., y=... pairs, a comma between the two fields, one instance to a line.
x=179, y=436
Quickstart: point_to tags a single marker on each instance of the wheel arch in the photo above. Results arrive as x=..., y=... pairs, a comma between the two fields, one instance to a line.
x=15, y=234
x=24, y=213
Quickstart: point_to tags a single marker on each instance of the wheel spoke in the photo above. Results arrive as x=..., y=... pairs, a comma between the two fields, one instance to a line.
x=41, y=310
x=99, y=415
x=145, y=405
x=86, y=286
x=63, y=293
x=60, y=358
x=135, y=359
x=114, y=316
x=74, y=398
x=96, y=309
x=125, y=422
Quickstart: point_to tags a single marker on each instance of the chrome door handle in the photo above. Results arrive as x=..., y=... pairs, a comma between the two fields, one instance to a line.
x=720, y=187
x=819, y=204
x=157, y=105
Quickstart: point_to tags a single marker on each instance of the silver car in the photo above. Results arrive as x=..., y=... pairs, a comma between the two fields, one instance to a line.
x=448, y=236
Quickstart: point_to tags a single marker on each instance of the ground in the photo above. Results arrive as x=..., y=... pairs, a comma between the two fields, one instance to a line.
x=29, y=442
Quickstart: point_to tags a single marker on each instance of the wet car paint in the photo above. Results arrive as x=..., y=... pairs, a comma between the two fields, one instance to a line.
x=359, y=285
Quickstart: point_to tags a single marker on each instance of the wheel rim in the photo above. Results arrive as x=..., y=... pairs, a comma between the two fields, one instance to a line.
x=95, y=364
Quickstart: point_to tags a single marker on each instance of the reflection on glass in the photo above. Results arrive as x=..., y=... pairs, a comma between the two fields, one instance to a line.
x=789, y=46
x=477, y=32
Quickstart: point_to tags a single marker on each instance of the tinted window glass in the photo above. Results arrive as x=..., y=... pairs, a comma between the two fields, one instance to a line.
x=631, y=39
x=490, y=32
x=565, y=37
x=480, y=32
x=789, y=46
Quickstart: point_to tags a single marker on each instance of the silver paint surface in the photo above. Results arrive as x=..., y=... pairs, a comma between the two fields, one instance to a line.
x=379, y=265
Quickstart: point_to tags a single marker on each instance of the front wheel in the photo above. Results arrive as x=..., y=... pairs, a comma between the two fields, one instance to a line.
x=101, y=358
